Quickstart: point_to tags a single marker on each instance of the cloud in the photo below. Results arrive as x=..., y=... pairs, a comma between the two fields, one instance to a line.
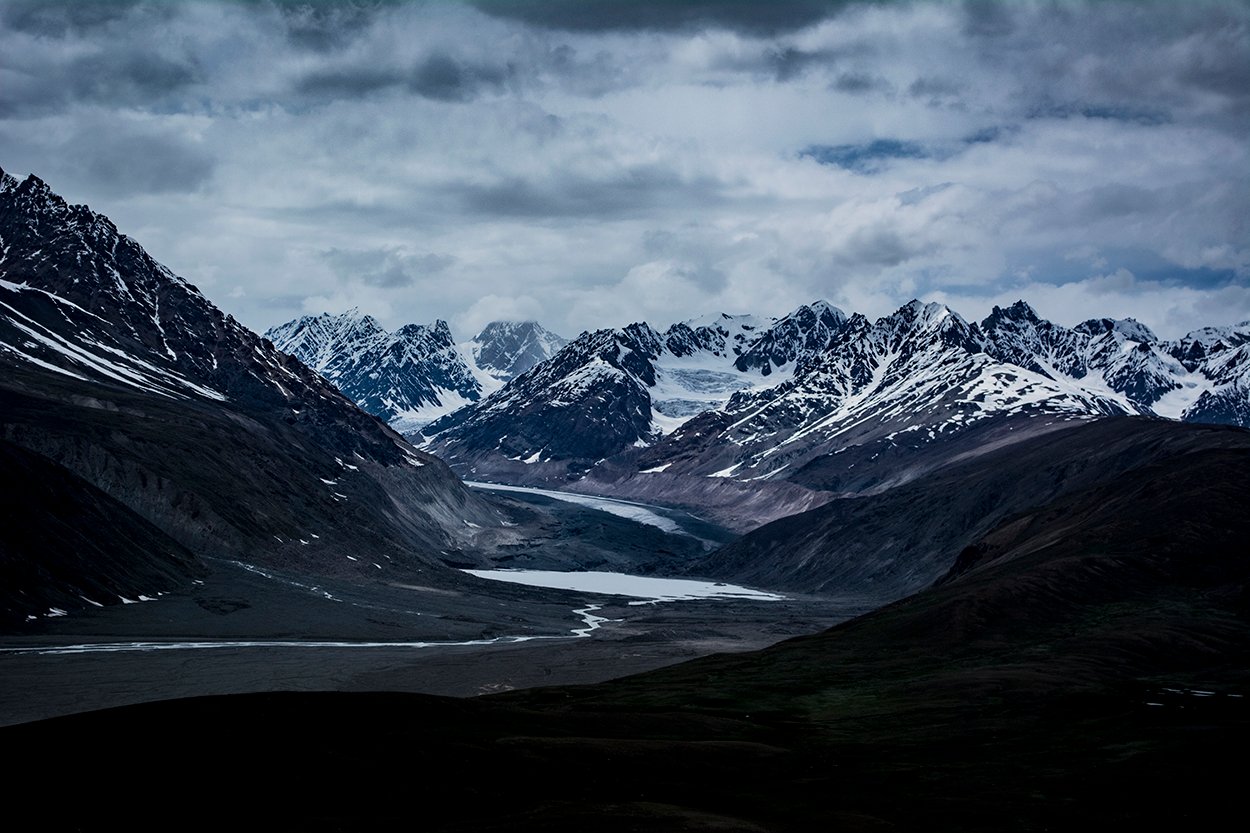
x=588, y=163
x=655, y=291
x=630, y=191
x=347, y=82
x=114, y=155
x=324, y=27
x=859, y=83
x=445, y=79
x=494, y=307
x=59, y=18
x=759, y=19
x=386, y=268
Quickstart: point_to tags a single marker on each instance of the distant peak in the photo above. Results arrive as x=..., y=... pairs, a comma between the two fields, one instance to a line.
x=1129, y=328
x=819, y=308
x=716, y=319
x=1019, y=311
x=354, y=316
x=438, y=328
x=916, y=308
x=505, y=326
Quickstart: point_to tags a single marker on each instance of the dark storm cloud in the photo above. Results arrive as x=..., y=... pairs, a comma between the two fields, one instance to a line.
x=110, y=156
x=438, y=77
x=386, y=268
x=124, y=160
x=146, y=81
x=443, y=78
x=141, y=164
x=860, y=83
x=50, y=18
x=879, y=247
x=121, y=73
x=347, y=82
x=777, y=62
x=633, y=192
x=988, y=18
x=128, y=77
x=1150, y=62
x=937, y=91
x=751, y=17
x=1117, y=201
x=323, y=27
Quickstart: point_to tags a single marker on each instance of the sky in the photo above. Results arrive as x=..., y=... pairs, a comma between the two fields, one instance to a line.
x=588, y=163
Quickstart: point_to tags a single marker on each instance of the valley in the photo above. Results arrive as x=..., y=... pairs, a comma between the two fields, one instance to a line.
x=244, y=629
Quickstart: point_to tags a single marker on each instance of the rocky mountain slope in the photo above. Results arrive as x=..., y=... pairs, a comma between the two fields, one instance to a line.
x=127, y=377
x=418, y=373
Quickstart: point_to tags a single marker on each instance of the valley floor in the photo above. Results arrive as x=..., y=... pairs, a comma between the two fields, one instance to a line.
x=495, y=637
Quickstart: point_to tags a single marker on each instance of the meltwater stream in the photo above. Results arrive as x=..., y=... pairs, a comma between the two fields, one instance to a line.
x=590, y=623
x=643, y=589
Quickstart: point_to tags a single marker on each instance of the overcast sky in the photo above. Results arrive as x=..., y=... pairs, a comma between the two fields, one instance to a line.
x=589, y=163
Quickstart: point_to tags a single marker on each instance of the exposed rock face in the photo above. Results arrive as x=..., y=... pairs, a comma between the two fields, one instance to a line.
x=418, y=373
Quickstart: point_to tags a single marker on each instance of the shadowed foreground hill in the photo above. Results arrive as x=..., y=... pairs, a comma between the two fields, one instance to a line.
x=1084, y=665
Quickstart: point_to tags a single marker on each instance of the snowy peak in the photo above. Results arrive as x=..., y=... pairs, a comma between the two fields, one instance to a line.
x=408, y=377
x=1017, y=335
x=506, y=349
x=794, y=338
x=320, y=340
x=916, y=323
x=1123, y=328
x=1019, y=313
x=1199, y=345
x=721, y=335
x=418, y=373
x=586, y=402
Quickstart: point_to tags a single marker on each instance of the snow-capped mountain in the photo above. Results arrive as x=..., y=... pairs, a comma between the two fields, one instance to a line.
x=506, y=349
x=906, y=378
x=135, y=390
x=418, y=373
x=787, y=400
x=613, y=389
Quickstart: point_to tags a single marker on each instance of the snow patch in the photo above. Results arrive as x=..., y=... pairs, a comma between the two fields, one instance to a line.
x=649, y=589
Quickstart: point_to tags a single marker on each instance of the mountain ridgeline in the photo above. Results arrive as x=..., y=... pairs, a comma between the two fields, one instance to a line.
x=136, y=393
x=418, y=373
x=819, y=402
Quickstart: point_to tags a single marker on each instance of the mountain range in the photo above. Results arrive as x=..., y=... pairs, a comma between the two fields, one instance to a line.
x=813, y=401
x=418, y=373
